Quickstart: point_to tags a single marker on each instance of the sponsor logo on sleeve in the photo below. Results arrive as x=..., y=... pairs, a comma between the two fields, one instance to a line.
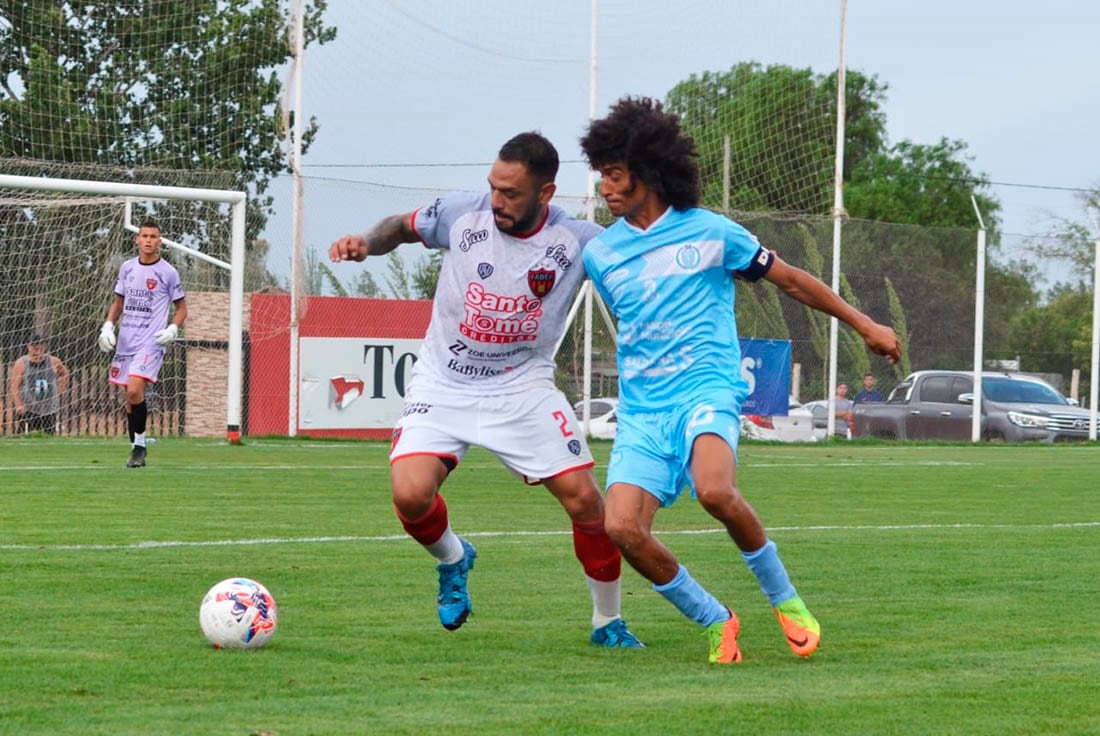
x=471, y=238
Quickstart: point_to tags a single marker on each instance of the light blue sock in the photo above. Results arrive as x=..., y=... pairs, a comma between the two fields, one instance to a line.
x=770, y=573
x=692, y=599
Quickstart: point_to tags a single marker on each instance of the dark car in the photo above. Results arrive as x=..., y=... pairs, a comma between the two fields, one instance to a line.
x=940, y=405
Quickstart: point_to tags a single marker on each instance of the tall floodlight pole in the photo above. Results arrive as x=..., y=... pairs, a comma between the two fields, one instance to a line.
x=1094, y=377
x=979, y=326
x=298, y=23
x=590, y=212
x=838, y=215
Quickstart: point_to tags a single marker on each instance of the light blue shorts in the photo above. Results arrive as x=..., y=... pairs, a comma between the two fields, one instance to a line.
x=652, y=450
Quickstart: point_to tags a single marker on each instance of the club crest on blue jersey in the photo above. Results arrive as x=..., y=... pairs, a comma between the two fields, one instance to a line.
x=151, y=284
x=688, y=257
x=541, y=281
x=484, y=270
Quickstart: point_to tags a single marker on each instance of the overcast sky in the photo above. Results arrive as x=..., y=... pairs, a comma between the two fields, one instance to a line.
x=411, y=84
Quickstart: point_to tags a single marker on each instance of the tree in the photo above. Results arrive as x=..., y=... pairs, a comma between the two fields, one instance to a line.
x=781, y=124
x=1074, y=241
x=147, y=90
x=425, y=276
x=1056, y=337
x=365, y=285
x=145, y=85
x=912, y=219
x=919, y=185
x=397, y=277
x=152, y=92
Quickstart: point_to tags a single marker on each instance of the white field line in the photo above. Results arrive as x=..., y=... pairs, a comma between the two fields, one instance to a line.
x=220, y=467
x=402, y=537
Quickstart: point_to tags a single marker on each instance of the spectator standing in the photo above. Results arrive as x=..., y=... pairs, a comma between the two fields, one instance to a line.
x=37, y=382
x=843, y=412
x=868, y=392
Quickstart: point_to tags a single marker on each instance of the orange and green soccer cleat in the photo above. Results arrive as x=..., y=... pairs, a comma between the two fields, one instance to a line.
x=802, y=629
x=723, y=641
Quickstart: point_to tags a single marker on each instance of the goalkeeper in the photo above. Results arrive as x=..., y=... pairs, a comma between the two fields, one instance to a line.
x=147, y=285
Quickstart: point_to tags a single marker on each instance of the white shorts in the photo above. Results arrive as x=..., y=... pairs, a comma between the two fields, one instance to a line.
x=534, y=433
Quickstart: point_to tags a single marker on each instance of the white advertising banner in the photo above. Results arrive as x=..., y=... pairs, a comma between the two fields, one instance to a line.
x=353, y=383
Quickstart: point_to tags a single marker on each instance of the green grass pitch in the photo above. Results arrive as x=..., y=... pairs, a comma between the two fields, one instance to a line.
x=956, y=587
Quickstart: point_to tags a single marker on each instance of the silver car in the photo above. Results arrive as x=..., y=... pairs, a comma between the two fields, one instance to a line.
x=1017, y=408
x=939, y=405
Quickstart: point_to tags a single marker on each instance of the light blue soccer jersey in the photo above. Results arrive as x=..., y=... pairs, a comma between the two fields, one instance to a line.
x=671, y=289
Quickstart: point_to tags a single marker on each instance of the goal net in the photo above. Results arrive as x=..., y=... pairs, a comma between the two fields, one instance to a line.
x=61, y=244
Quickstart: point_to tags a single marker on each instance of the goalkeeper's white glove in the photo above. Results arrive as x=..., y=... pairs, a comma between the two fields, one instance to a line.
x=167, y=335
x=106, y=338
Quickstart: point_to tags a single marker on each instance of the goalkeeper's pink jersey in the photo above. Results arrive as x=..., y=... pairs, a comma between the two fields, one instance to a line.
x=147, y=291
x=501, y=302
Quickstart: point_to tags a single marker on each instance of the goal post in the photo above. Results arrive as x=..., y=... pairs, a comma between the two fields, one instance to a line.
x=236, y=200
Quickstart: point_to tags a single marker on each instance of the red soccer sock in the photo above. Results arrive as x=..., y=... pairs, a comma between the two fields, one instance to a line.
x=429, y=528
x=595, y=550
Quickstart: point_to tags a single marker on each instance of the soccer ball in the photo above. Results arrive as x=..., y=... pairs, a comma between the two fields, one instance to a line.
x=238, y=613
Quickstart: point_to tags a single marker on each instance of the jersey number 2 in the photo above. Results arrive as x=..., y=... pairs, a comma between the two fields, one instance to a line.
x=563, y=423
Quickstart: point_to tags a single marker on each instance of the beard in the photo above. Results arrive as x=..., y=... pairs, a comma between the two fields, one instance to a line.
x=523, y=223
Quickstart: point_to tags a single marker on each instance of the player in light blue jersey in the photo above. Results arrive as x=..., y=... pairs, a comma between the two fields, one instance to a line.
x=146, y=289
x=666, y=269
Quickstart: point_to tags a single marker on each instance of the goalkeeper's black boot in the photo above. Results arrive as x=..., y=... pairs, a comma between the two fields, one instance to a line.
x=137, y=458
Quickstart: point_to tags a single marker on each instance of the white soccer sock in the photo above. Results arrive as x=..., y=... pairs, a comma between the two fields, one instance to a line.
x=447, y=549
x=606, y=601
x=139, y=439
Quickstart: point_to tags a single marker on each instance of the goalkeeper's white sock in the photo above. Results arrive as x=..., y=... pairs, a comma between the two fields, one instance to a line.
x=139, y=439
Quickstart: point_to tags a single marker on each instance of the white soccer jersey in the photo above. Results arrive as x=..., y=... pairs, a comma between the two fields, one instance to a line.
x=501, y=301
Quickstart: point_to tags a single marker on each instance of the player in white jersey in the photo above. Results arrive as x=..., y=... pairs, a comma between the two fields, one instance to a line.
x=485, y=373
x=146, y=289
x=666, y=270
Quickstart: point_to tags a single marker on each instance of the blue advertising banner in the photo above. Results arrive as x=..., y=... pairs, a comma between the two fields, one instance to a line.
x=766, y=365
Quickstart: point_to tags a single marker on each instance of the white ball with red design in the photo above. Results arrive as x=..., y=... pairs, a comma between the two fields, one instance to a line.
x=238, y=613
